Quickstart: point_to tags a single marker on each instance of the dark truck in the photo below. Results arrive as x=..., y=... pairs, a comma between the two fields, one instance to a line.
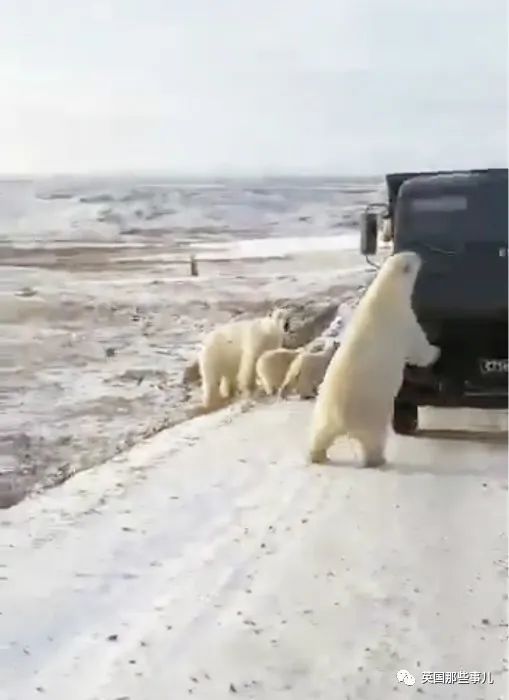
x=457, y=222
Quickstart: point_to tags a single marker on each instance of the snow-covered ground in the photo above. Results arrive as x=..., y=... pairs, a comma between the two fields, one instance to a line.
x=279, y=247
x=112, y=209
x=100, y=316
x=208, y=559
x=213, y=562
x=93, y=352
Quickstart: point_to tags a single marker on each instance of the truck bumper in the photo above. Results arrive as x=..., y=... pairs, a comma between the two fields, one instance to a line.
x=422, y=387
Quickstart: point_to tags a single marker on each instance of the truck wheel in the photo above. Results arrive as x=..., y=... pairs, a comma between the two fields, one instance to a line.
x=405, y=419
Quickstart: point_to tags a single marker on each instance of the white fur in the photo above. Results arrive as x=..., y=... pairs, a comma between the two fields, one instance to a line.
x=307, y=371
x=272, y=366
x=229, y=354
x=386, y=234
x=357, y=394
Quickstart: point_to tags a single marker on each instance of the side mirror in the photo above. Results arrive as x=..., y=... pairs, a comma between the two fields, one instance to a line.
x=369, y=232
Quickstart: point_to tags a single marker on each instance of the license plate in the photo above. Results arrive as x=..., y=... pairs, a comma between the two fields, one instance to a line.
x=494, y=366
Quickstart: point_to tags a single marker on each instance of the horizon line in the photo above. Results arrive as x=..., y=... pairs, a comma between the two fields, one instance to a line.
x=185, y=176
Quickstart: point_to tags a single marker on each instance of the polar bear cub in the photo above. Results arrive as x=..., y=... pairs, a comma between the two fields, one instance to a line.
x=307, y=370
x=272, y=366
x=357, y=394
x=229, y=354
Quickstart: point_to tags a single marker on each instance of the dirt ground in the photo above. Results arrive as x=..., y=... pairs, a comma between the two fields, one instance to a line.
x=95, y=340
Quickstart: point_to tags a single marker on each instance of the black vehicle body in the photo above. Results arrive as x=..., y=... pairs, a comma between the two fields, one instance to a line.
x=458, y=223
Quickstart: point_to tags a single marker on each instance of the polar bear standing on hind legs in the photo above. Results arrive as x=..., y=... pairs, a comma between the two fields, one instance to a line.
x=230, y=352
x=357, y=394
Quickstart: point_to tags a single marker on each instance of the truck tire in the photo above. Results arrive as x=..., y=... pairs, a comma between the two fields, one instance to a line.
x=405, y=419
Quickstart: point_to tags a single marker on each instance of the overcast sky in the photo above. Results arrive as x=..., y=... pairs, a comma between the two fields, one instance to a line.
x=252, y=86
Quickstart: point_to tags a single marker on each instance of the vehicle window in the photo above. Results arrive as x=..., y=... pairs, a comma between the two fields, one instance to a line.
x=444, y=217
x=440, y=205
x=481, y=218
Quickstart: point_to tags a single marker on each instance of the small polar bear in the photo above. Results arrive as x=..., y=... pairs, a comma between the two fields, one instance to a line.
x=272, y=367
x=229, y=354
x=307, y=370
x=357, y=394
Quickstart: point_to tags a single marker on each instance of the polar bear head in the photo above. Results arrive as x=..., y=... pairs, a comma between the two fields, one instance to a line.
x=408, y=263
x=281, y=317
x=399, y=273
x=393, y=286
x=325, y=346
x=331, y=346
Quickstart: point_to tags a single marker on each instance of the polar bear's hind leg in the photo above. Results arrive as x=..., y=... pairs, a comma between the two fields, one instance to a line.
x=247, y=374
x=266, y=385
x=322, y=438
x=211, y=383
x=373, y=447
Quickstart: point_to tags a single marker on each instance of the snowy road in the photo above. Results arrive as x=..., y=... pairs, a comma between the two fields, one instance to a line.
x=211, y=562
